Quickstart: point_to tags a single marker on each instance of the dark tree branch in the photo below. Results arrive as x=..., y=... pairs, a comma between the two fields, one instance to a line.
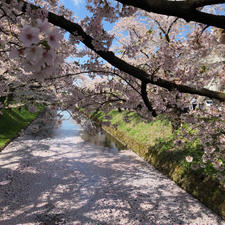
x=201, y=3
x=171, y=25
x=144, y=96
x=186, y=10
x=164, y=32
x=144, y=53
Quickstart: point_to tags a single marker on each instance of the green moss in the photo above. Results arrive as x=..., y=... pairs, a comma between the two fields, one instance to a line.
x=12, y=121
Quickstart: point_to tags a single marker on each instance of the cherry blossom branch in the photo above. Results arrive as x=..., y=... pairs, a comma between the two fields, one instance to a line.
x=96, y=71
x=144, y=53
x=179, y=7
x=135, y=89
x=110, y=101
x=126, y=67
x=171, y=25
x=105, y=102
x=161, y=28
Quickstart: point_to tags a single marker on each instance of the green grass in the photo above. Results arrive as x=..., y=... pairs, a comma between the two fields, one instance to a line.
x=143, y=132
x=13, y=121
x=136, y=128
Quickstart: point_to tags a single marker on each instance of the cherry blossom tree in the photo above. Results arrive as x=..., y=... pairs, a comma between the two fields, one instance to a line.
x=101, y=41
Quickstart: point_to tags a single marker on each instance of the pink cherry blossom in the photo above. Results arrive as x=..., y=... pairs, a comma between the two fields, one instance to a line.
x=54, y=36
x=33, y=54
x=189, y=158
x=47, y=57
x=218, y=165
x=43, y=25
x=29, y=35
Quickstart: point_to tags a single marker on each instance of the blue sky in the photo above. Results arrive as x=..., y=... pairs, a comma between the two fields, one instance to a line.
x=79, y=9
x=77, y=6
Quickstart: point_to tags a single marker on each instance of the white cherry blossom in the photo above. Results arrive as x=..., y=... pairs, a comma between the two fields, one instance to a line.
x=189, y=158
x=29, y=35
x=34, y=54
x=54, y=36
x=48, y=57
x=43, y=25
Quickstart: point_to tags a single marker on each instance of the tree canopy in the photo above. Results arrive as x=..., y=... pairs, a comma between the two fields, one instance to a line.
x=160, y=57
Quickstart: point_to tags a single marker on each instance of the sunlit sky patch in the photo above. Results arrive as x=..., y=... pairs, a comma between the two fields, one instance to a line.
x=80, y=11
x=77, y=2
x=77, y=6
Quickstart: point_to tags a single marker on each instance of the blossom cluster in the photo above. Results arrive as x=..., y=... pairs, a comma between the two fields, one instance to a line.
x=39, y=51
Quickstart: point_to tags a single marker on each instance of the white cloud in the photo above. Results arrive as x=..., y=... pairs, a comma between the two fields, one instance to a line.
x=77, y=2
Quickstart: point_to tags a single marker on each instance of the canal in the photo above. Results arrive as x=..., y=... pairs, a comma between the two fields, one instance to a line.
x=88, y=131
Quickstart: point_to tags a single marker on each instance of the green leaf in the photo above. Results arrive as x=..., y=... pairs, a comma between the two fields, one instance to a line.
x=149, y=31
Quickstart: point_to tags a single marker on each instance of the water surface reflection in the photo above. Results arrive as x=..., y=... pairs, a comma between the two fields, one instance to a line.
x=68, y=127
x=95, y=135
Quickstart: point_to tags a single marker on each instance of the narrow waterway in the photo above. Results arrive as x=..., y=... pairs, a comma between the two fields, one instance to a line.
x=63, y=176
x=89, y=133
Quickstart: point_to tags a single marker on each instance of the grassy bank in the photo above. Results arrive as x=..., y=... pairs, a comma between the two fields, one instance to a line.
x=133, y=125
x=154, y=141
x=12, y=121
